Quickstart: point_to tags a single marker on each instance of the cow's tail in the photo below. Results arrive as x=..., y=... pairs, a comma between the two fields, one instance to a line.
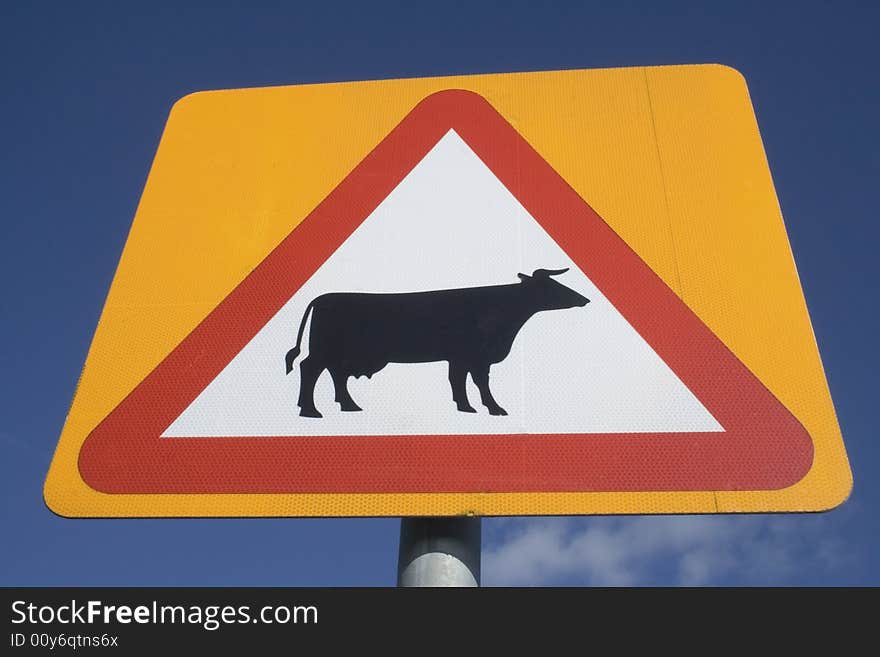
x=293, y=353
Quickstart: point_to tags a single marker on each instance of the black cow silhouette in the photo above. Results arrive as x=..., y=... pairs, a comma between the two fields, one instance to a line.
x=357, y=334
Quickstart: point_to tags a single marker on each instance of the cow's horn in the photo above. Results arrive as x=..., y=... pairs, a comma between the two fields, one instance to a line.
x=549, y=272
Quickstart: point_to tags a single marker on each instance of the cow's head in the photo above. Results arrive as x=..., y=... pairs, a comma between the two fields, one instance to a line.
x=550, y=294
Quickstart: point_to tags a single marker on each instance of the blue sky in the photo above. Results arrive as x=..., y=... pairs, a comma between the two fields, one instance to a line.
x=86, y=91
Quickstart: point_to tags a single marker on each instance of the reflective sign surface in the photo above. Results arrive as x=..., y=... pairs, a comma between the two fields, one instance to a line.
x=543, y=293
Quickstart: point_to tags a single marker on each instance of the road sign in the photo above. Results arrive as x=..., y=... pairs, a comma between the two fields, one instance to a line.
x=546, y=293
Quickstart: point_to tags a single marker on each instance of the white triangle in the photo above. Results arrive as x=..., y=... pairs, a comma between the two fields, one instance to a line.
x=451, y=223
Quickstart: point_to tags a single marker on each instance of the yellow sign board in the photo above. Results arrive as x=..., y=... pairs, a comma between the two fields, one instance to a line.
x=321, y=281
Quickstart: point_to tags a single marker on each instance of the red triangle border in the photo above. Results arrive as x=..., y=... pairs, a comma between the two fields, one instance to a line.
x=763, y=446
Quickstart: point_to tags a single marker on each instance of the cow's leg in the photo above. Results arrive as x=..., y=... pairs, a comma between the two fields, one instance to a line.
x=481, y=378
x=309, y=371
x=340, y=382
x=458, y=381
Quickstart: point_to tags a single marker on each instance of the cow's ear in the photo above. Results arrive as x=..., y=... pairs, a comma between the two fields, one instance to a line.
x=524, y=277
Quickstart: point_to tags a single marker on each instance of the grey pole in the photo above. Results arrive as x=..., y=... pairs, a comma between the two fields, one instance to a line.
x=439, y=551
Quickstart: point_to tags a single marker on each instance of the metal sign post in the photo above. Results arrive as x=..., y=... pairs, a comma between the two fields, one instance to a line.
x=439, y=552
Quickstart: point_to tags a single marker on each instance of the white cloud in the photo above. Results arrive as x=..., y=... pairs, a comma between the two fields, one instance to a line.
x=661, y=550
